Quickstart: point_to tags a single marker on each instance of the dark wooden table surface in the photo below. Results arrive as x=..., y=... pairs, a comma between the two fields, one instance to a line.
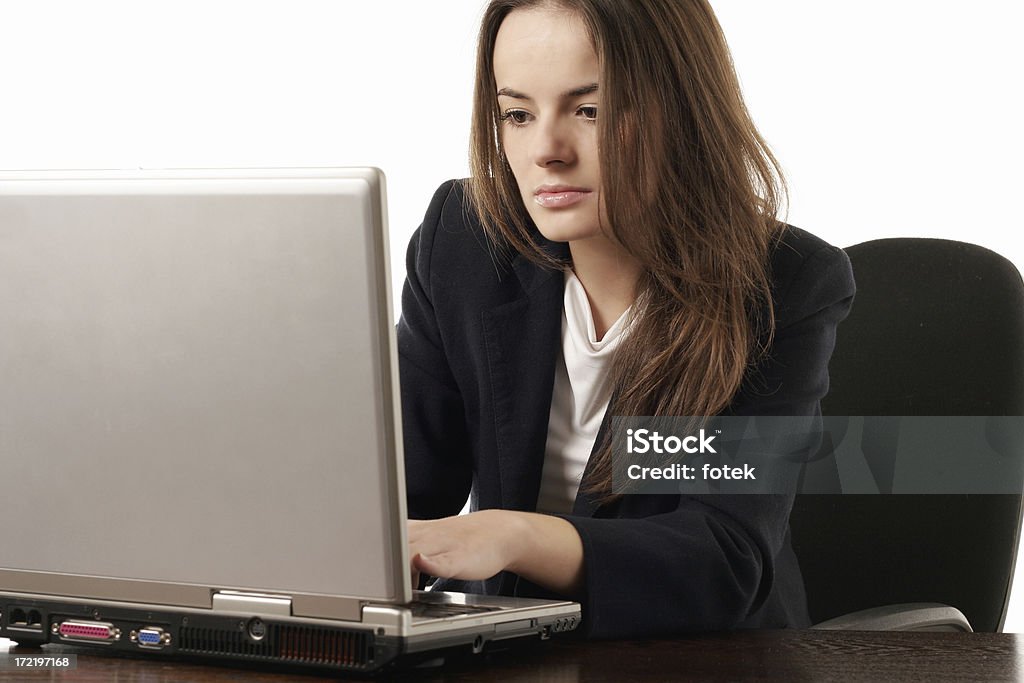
x=753, y=655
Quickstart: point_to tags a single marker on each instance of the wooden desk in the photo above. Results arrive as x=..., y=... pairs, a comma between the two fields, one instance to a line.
x=764, y=655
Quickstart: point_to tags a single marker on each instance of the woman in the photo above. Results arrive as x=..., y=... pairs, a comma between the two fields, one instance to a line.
x=616, y=252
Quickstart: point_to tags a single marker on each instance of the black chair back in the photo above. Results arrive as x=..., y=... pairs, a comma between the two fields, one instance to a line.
x=937, y=328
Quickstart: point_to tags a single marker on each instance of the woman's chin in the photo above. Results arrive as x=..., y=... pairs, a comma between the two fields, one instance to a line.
x=566, y=233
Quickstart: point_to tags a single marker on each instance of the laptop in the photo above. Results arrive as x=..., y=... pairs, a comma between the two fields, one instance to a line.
x=200, y=436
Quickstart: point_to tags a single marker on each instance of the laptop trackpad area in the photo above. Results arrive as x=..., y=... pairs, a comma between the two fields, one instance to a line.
x=426, y=610
x=440, y=605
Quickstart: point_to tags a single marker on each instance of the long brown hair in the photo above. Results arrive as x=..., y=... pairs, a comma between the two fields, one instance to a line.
x=698, y=213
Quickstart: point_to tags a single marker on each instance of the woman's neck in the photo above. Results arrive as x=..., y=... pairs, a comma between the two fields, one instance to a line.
x=609, y=276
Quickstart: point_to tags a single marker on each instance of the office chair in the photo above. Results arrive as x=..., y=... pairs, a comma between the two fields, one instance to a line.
x=937, y=328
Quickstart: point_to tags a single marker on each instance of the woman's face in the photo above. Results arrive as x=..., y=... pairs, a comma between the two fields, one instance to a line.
x=547, y=76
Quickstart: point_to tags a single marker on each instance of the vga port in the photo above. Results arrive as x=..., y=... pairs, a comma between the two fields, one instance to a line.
x=151, y=637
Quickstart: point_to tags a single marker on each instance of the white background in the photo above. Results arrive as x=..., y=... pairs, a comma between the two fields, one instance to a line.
x=890, y=117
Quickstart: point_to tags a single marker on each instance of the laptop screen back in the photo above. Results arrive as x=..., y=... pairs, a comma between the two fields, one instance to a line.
x=197, y=381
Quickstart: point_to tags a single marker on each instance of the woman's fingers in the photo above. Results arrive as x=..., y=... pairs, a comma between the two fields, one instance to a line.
x=415, y=577
x=435, y=565
x=463, y=547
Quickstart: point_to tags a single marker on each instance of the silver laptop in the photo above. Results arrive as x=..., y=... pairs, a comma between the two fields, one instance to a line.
x=200, y=438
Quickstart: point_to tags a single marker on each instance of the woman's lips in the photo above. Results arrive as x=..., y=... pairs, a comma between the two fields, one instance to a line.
x=560, y=199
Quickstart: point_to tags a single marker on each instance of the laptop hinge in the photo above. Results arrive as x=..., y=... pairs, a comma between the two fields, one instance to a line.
x=262, y=603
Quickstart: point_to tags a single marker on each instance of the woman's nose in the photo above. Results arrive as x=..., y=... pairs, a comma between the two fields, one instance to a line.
x=552, y=144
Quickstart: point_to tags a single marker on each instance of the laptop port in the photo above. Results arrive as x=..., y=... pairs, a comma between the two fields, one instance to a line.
x=150, y=637
x=24, y=619
x=89, y=631
x=257, y=629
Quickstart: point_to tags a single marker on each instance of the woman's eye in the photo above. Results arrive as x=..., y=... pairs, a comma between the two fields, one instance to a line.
x=517, y=117
x=589, y=112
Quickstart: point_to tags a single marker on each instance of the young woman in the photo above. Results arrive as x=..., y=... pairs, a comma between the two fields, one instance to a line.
x=616, y=252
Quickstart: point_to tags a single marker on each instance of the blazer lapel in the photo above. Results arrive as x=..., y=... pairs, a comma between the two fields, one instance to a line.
x=523, y=340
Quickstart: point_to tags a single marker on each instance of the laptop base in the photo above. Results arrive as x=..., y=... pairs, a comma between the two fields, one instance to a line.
x=236, y=640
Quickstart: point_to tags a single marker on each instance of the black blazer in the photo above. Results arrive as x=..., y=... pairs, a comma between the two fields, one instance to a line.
x=478, y=341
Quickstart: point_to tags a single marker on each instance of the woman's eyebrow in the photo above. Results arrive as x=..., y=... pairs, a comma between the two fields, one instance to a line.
x=568, y=94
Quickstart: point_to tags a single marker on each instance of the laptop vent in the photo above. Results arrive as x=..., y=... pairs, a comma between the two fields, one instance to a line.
x=307, y=645
x=319, y=646
x=216, y=641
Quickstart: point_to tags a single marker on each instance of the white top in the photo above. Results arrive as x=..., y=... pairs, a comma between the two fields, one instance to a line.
x=579, y=399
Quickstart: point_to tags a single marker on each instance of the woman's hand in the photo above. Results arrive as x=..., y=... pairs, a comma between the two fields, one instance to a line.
x=543, y=549
x=473, y=546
